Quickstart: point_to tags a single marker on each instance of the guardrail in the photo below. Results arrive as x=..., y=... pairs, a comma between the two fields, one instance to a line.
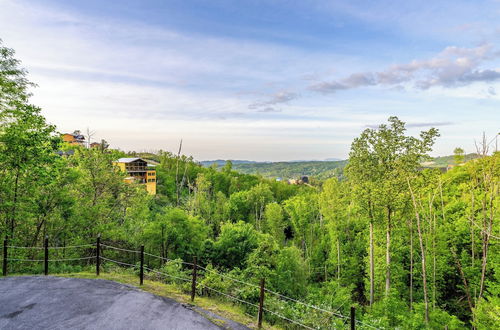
x=98, y=248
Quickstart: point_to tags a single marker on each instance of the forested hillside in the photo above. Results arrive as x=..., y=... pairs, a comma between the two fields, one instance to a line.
x=293, y=170
x=319, y=169
x=411, y=248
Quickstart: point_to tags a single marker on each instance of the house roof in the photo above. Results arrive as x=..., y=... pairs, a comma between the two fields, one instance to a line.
x=76, y=136
x=127, y=160
x=130, y=160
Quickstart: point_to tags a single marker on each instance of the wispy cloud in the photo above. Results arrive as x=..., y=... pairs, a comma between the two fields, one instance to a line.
x=279, y=97
x=430, y=124
x=269, y=109
x=418, y=125
x=453, y=67
x=147, y=85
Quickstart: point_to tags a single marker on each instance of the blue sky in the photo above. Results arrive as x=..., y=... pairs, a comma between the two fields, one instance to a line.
x=262, y=80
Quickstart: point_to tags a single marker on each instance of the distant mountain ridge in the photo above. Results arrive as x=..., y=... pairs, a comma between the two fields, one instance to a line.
x=286, y=170
x=222, y=162
x=316, y=168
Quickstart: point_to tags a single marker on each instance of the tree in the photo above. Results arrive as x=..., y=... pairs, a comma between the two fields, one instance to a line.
x=291, y=275
x=275, y=224
x=27, y=150
x=183, y=235
x=257, y=198
x=303, y=211
x=422, y=252
x=379, y=163
x=14, y=86
x=458, y=155
x=234, y=245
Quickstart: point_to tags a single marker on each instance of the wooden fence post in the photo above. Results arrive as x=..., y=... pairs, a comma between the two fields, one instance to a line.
x=98, y=255
x=4, y=266
x=46, y=259
x=261, y=301
x=193, y=283
x=353, y=318
x=141, y=272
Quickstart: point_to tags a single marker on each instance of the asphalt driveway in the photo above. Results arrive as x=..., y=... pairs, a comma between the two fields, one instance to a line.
x=47, y=302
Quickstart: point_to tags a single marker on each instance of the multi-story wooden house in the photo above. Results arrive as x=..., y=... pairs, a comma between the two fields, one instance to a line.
x=75, y=138
x=138, y=171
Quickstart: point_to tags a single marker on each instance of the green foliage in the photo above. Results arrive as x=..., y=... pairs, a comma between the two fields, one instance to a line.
x=458, y=155
x=275, y=222
x=177, y=272
x=435, y=246
x=13, y=82
x=291, y=275
x=293, y=170
x=487, y=313
x=234, y=245
x=183, y=234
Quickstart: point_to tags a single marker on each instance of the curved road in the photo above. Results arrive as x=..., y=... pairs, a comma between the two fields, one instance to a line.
x=46, y=302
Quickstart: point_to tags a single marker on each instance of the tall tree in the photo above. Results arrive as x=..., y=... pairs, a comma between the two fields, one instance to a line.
x=379, y=162
x=27, y=149
x=14, y=86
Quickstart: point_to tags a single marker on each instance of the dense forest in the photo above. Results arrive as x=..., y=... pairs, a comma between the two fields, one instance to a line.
x=412, y=248
x=322, y=169
x=292, y=170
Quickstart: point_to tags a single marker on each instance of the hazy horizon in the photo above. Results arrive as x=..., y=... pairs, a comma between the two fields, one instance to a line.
x=257, y=80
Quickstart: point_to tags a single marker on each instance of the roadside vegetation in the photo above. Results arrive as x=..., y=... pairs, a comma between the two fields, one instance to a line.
x=410, y=248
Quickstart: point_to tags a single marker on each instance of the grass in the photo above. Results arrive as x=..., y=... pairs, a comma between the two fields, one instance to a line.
x=222, y=308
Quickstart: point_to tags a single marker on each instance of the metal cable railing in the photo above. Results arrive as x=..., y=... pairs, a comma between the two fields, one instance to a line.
x=287, y=319
x=119, y=249
x=229, y=296
x=169, y=275
x=170, y=260
x=117, y=262
x=307, y=305
x=98, y=257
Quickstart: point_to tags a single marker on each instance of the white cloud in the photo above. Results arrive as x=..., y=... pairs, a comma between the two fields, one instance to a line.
x=146, y=87
x=277, y=98
x=453, y=67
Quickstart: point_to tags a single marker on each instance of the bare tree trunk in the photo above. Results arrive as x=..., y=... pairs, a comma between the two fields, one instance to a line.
x=486, y=238
x=162, y=252
x=411, y=263
x=90, y=134
x=372, y=266
x=472, y=229
x=372, y=257
x=388, y=253
x=177, y=173
x=434, y=262
x=464, y=280
x=338, y=258
x=422, y=251
x=434, y=236
x=37, y=232
x=14, y=204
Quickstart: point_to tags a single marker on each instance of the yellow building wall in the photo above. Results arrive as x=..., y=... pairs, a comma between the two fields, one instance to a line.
x=121, y=166
x=68, y=138
x=150, y=178
x=151, y=182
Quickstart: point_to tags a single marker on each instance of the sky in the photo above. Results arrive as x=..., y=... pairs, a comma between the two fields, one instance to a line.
x=262, y=80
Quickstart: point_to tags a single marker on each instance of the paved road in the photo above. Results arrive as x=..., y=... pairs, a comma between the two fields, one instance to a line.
x=46, y=302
